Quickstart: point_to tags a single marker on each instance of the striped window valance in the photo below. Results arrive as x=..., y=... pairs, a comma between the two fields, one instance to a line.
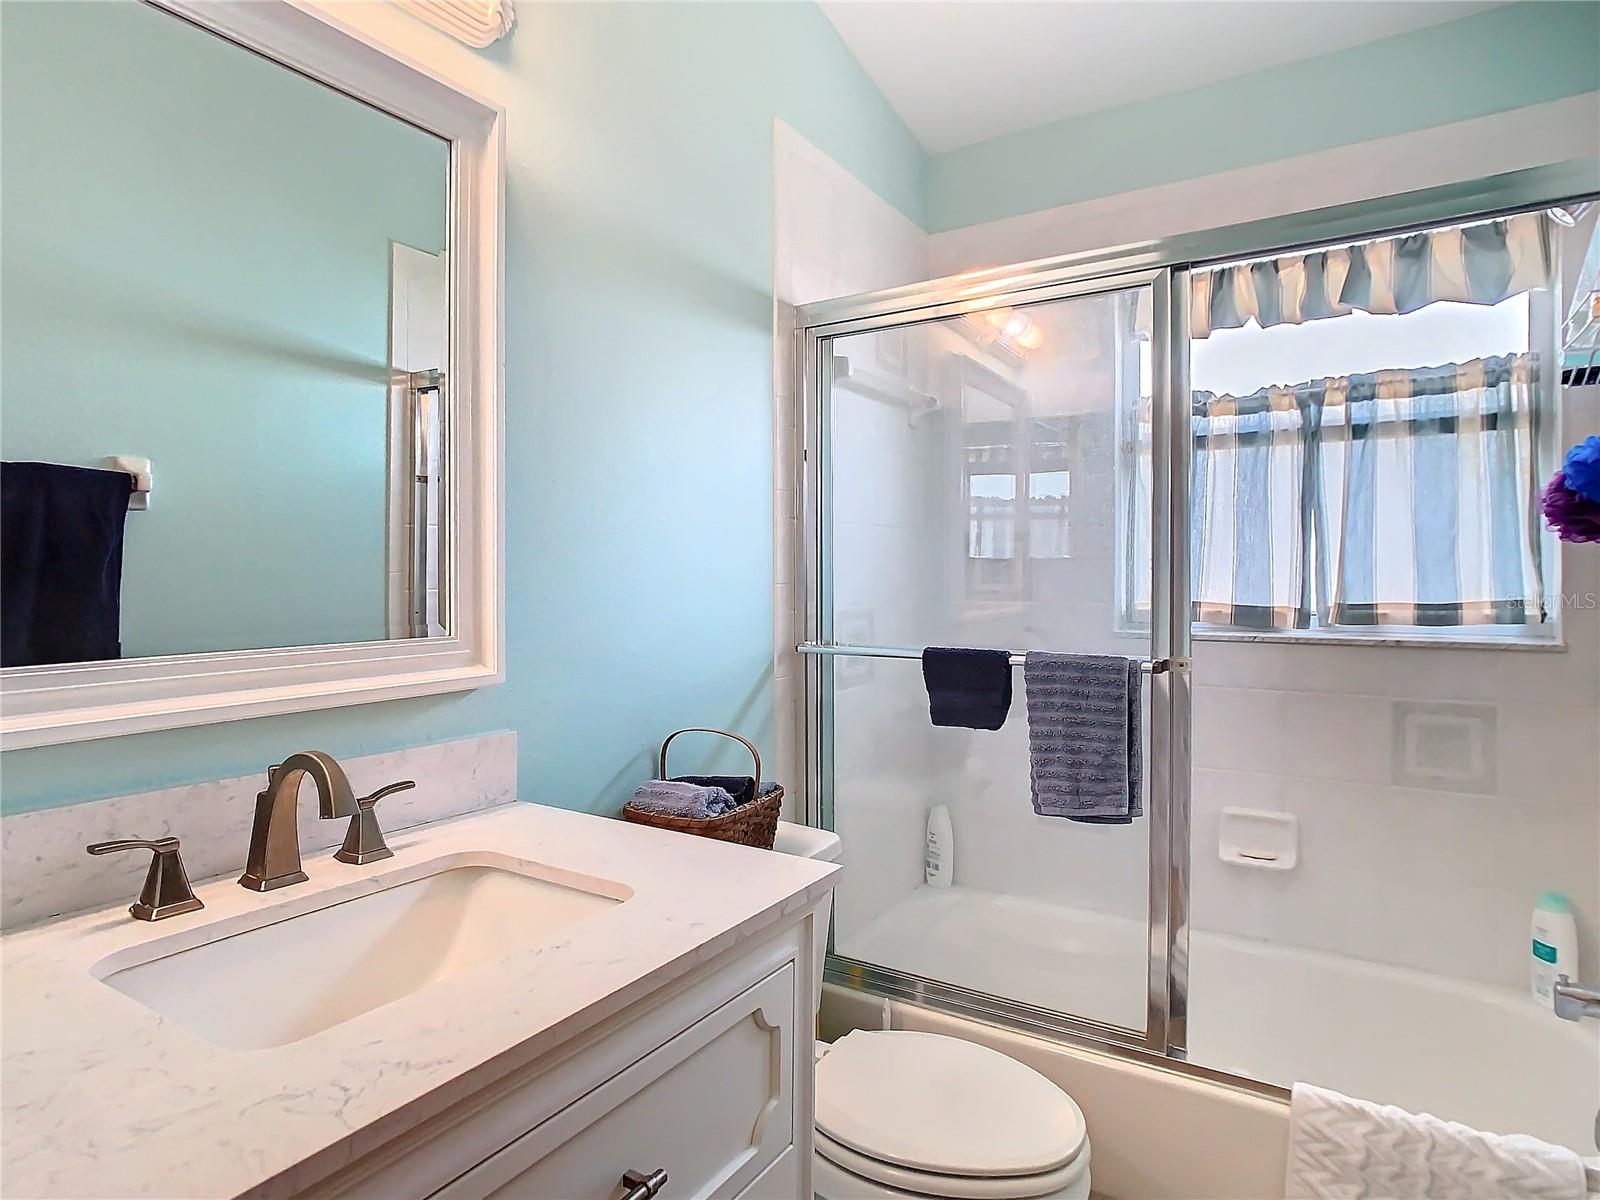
x=1475, y=264
x=1402, y=497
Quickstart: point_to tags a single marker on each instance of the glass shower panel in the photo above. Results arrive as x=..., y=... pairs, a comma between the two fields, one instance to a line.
x=985, y=489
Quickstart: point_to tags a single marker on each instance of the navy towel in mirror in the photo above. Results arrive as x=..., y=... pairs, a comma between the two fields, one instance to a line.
x=60, y=563
x=967, y=689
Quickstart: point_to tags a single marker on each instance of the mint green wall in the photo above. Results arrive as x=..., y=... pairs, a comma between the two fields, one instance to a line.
x=638, y=399
x=1504, y=58
x=194, y=248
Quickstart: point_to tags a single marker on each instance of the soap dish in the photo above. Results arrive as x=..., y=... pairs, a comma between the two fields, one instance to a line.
x=1250, y=837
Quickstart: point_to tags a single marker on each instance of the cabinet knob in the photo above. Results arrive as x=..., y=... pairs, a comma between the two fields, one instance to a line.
x=642, y=1186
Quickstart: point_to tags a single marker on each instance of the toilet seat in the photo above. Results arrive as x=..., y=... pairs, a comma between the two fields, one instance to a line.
x=955, y=1187
x=922, y=1114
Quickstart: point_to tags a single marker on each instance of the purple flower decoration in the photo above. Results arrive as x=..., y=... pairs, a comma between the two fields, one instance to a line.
x=1582, y=468
x=1573, y=516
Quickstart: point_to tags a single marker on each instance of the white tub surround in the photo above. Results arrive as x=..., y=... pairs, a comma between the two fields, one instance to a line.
x=46, y=873
x=105, y=1098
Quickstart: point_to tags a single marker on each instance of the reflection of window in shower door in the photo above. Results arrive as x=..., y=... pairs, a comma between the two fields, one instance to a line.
x=418, y=349
x=993, y=423
x=1016, y=480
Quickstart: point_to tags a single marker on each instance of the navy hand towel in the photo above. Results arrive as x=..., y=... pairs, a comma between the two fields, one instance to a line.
x=967, y=689
x=60, y=563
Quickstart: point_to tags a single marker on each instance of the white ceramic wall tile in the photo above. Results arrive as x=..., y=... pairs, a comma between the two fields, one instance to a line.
x=1550, y=752
x=833, y=236
x=785, y=543
x=46, y=872
x=781, y=760
x=1338, y=737
x=1239, y=729
x=783, y=630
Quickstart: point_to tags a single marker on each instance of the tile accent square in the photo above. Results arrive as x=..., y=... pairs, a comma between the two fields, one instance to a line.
x=1445, y=746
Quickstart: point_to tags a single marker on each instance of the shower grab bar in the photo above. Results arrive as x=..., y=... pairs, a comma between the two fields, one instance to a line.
x=1150, y=666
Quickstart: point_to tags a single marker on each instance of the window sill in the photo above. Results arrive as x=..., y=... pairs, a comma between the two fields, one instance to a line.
x=1391, y=640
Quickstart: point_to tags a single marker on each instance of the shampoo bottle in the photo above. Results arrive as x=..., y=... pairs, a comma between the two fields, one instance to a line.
x=939, y=856
x=1555, y=944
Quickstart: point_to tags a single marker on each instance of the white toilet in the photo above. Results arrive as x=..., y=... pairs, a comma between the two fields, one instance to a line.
x=904, y=1115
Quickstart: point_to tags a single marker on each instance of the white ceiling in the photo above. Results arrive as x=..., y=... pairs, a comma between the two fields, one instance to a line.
x=963, y=71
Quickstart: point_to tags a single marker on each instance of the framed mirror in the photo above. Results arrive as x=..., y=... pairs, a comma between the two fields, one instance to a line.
x=251, y=424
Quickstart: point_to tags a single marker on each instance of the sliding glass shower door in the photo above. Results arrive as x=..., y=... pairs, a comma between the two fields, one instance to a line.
x=994, y=474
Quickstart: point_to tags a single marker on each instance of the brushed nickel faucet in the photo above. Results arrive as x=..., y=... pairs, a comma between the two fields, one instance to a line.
x=166, y=891
x=274, y=859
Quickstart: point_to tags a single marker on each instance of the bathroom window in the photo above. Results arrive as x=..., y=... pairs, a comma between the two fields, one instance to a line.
x=1372, y=426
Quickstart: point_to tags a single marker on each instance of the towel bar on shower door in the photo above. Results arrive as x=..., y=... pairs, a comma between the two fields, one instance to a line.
x=1150, y=666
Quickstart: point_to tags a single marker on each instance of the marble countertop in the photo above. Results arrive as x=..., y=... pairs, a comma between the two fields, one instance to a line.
x=103, y=1097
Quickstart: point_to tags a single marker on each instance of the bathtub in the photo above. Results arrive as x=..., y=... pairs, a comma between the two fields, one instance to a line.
x=1488, y=1057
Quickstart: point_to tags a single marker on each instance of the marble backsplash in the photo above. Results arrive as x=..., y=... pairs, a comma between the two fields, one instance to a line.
x=44, y=871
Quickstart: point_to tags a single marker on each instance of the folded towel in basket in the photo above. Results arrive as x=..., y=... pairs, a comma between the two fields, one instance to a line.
x=1344, y=1149
x=675, y=798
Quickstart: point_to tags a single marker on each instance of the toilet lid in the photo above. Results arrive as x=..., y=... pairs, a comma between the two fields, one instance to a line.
x=940, y=1104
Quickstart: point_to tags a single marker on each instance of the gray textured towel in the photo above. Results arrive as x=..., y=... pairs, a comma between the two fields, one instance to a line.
x=674, y=798
x=1083, y=736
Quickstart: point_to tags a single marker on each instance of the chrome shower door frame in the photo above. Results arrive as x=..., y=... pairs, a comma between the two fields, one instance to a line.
x=1169, y=742
x=1164, y=263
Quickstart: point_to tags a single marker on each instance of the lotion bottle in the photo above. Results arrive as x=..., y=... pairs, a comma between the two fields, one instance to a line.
x=1555, y=945
x=939, y=855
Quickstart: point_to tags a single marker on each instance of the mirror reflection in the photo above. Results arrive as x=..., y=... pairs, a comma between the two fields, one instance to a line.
x=225, y=412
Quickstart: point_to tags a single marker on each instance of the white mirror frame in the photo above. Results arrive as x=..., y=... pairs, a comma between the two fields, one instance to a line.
x=78, y=701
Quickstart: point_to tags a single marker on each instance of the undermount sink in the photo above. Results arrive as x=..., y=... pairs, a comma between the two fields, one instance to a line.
x=280, y=982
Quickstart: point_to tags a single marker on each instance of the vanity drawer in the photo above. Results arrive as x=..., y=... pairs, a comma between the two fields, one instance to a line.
x=713, y=1107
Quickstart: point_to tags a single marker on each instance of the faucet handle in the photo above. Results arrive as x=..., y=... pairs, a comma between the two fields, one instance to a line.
x=166, y=891
x=1573, y=1001
x=387, y=789
x=363, y=840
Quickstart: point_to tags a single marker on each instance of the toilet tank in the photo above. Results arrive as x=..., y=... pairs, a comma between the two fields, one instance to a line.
x=803, y=841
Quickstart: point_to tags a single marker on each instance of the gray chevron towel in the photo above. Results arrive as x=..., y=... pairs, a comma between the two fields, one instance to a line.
x=1083, y=736
x=1344, y=1149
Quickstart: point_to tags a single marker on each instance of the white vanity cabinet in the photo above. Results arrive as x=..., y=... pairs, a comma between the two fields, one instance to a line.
x=597, y=999
x=708, y=1080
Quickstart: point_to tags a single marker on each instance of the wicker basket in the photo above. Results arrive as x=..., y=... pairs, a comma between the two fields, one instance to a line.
x=753, y=823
